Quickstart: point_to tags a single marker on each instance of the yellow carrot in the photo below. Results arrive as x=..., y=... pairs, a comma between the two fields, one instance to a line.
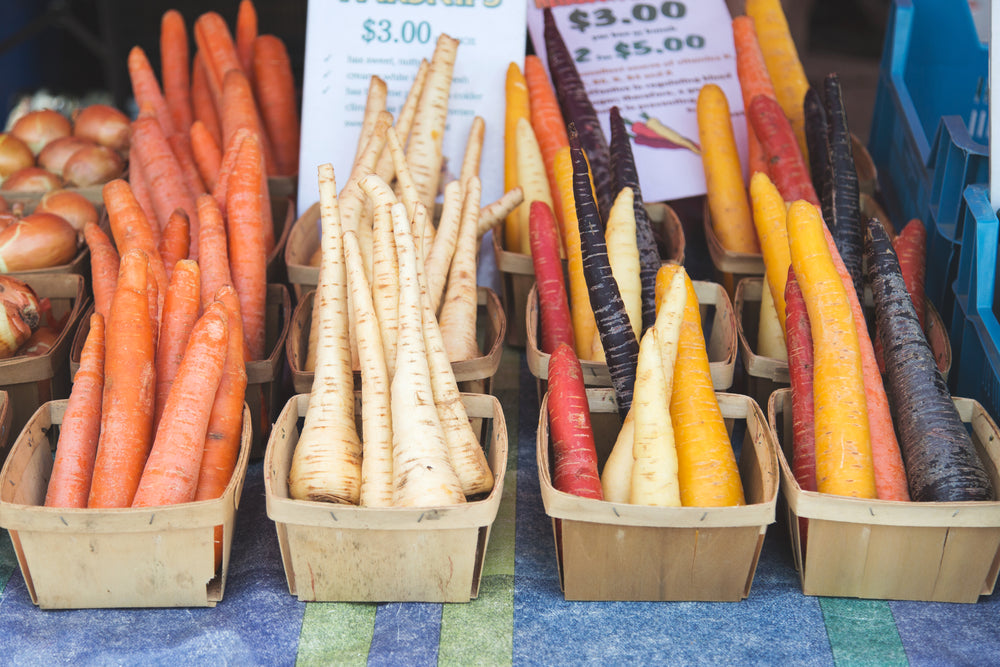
x=726, y=191
x=769, y=214
x=706, y=465
x=532, y=178
x=843, y=446
x=517, y=106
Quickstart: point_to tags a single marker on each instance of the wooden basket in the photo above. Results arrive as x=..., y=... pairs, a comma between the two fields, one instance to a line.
x=517, y=272
x=892, y=550
x=718, y=322
x=360, y=554
x=474, y=376
x=32, y=381
x=618, y=551
x=302, y=242
x=282, y=215
x=4, y=424
x=762, y=375
x=87, y=558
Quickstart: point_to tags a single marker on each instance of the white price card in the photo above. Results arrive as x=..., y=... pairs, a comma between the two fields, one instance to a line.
x=650, y=58
x=349, y=41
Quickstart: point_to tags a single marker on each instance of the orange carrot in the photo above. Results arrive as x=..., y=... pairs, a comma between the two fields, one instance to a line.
x=215, y=43
x=175, y=242
x=754, y=80
x=154, y=304
x=129, y=381
x=129, y=226
x=103, y=266
x=181, y=308
x=229, y=152
x=225, y=424
x=180, y=144
x=246, y=33
x=206, y=152
x=140, y=188
x=239, y=109
x=175, y=68
x=213, y=253
x=274, y=87
x=202, y=102
x=171, y=472
x=168, y=188
x=73, y=467
x=547, y=121
x=247, y=253
x=146, y=88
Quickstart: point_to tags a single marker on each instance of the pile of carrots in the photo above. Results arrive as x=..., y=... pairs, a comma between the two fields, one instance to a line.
x=397, y=299
x=855, y=431
x=155, y=415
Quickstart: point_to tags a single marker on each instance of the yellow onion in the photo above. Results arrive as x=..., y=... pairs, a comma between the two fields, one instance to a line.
x=19, y=315
x=93, y=165
x=104, y=125
x=55, y=154
x=14, y=155
x=40, y=343
x=39, y=127
x=37, y=241
x=76, y=209
x=32, y=179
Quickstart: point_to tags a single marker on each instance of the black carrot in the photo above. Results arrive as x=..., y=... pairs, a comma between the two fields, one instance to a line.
x=844, y=219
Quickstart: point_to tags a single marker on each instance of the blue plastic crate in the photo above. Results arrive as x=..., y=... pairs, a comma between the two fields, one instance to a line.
x=930, y=124
x=975, y=331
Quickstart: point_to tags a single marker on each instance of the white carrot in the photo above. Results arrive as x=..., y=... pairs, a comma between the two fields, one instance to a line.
x=376, y=412
x=404, y=121
x=422, y=467
x=385, y=267
x=616, y=477
x=770, y=335
x=458, y=309
x=326, y=464
x=623, y=255
x=445, y=240
x=424, y=150
x=532, y=178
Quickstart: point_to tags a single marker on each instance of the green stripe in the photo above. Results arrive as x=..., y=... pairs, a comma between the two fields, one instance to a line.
x=335, y=633
x=862, y=632
x=480, y=632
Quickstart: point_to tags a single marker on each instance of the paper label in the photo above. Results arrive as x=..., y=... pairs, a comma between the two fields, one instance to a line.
x=650, y=59
x=349, y=41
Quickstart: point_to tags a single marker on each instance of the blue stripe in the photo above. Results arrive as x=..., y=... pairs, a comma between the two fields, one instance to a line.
x=255, y=589
x=940, y=633
x=779, y=627
x=406, y=633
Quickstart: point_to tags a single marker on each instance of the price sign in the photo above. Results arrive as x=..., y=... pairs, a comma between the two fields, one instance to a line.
x=349, y=41
x=650, y=59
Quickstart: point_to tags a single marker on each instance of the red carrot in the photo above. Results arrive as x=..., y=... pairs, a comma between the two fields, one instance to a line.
x=800, y=370
x=103, y=266
x=129, y=381
x=754, y=80
x=274, y=88
x=213, y=253
x=246, y=33
x=553, y=304
x=171, y=473
x=175, y=68
x=73, y=467
x=181, y=309
x=247, y=253
x=786, y=166
x=206, y=152
x=575, y=457
x=202, y=102
x=911, y=248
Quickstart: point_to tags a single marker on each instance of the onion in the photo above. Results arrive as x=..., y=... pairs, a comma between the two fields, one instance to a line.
x=55, y=154
x=70, y=205
x=37, y=241
x=39, y=127
x=104, y=125
x=14, y=155
x=40, y=342
x=20, y=314
x=93, y=165
x=32, y=179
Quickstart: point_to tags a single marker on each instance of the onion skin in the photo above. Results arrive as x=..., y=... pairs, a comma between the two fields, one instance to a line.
x=93, y=165
x=14, y=155
x=19, y=315
x=40, y=342
x=104, y=125
x=37, y=128
x=58, y=151
x=37, y=241
x=32, y=179
x=70, y=205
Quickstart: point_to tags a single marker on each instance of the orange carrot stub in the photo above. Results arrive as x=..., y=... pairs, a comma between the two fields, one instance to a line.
x=727, y=193
x=246, y=33
x=274, y=87
x=69, y=485
x=171, y=473
x=129, y=389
